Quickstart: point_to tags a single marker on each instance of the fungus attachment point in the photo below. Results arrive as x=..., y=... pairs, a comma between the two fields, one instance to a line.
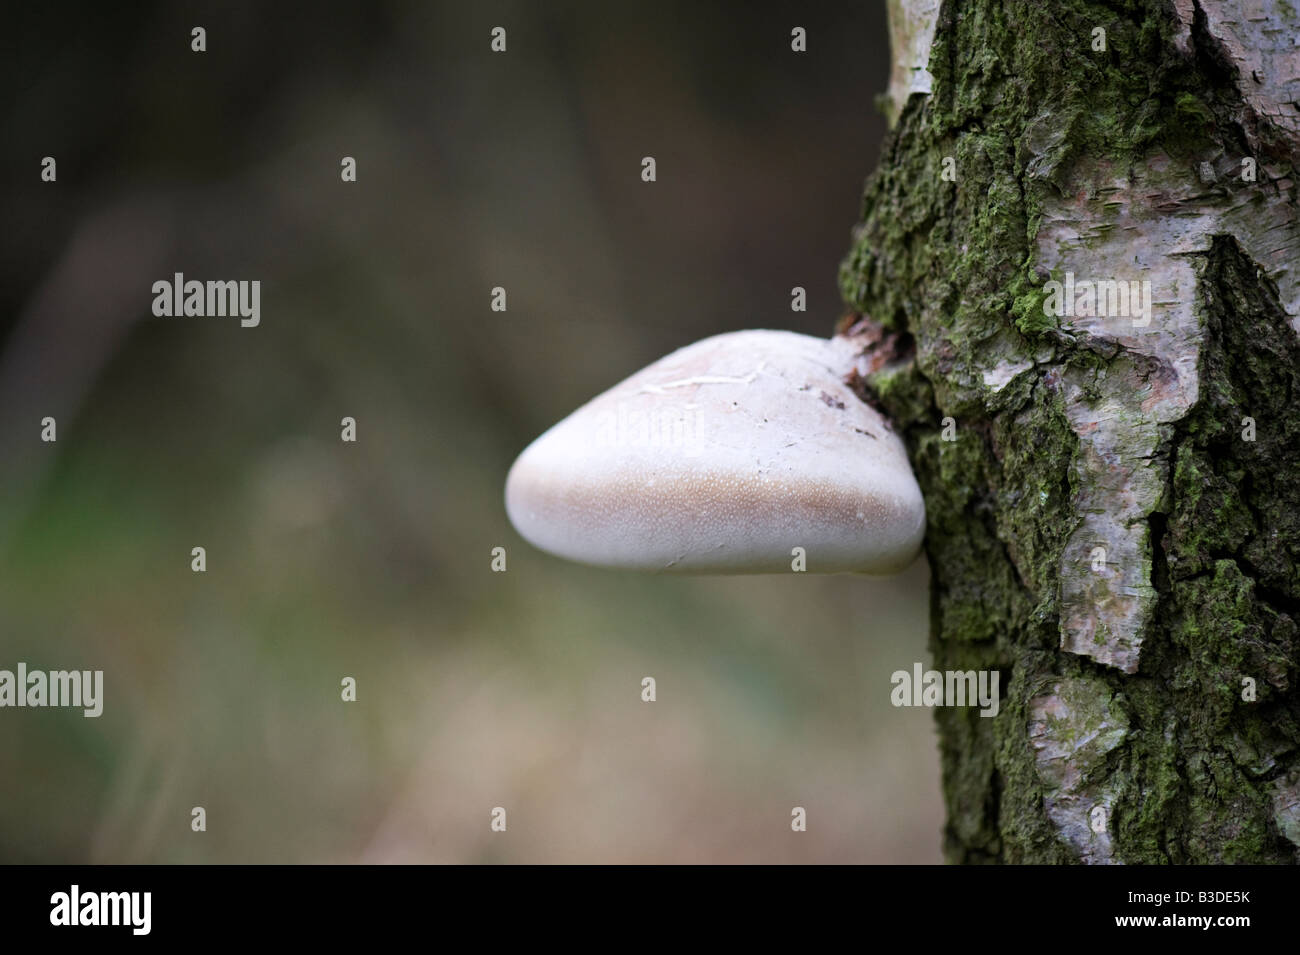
x=723, y=458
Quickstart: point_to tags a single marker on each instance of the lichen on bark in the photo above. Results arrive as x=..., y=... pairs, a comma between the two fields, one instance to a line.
x=1126, y=733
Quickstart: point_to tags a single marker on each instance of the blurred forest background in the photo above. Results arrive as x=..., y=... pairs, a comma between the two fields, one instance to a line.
x=371, y=560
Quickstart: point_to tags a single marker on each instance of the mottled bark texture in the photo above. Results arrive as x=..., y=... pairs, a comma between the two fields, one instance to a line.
x=1102, y=527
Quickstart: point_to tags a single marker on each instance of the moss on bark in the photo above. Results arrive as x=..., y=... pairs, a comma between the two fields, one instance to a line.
x=1192, y=772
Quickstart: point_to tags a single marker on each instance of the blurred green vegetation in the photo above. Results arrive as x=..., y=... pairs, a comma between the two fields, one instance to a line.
x=372, y=559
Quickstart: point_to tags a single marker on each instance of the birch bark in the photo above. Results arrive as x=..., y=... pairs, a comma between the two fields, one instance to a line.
x=1115, y=525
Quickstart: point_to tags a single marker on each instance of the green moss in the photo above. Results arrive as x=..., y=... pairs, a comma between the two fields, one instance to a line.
x=1228, y=597
x=1020, y=100
x=1027, y=312
x=1228, y=609
x=905, y=394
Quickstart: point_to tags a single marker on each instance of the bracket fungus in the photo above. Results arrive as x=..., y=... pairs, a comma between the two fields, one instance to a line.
x=738, y=454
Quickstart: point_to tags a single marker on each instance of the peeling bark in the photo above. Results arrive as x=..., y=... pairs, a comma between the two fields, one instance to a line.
x=911, y=31
x=1117, y=525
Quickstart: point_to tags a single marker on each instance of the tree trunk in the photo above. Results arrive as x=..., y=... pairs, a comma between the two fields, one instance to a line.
x=1114, y=508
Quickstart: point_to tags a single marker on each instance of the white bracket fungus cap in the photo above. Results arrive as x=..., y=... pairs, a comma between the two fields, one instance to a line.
x=723, y=458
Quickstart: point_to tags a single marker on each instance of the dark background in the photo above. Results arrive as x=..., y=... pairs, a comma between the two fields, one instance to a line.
x=372, y=559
